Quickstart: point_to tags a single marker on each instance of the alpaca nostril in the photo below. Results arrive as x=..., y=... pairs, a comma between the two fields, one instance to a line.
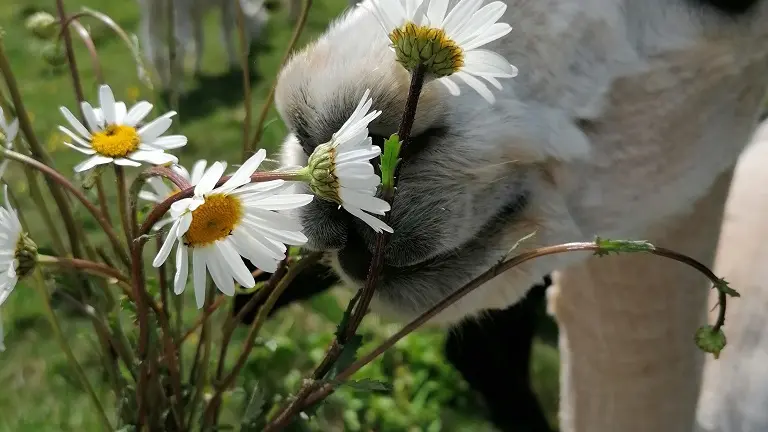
x=325, y=225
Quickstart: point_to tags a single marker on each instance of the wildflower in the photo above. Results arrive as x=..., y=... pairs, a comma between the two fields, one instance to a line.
x=8, y=132
x=18, y=253
x=446, y=43
x=113, y=137
x=159, y=190
x=340, y=171
x=221, y=224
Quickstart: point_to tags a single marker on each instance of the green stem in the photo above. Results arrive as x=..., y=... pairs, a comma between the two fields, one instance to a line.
x=56, y=327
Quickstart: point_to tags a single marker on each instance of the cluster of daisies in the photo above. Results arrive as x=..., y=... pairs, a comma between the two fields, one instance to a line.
x=224, y=222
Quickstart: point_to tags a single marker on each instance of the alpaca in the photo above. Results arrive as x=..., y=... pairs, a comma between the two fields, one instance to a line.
x=189, y=34
x=626, y=121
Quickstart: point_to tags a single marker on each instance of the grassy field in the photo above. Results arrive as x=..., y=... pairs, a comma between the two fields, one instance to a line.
x=40, y=392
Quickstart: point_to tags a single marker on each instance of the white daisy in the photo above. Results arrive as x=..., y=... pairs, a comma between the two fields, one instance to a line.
x=160, y=190
x=340, y=170
x=448, y=41
x=113, y=135
x=17, y=253
x=221, y=224
x=8, y=132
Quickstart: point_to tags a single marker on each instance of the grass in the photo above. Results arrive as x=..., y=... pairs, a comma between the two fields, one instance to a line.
x=40, y=392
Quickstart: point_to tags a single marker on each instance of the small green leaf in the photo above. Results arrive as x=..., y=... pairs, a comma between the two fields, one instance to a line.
x=389, y=161
x=723, y=287
x=90, y=179
x=709, y=340
x=255, y=406
x=347, y=357
x=621, y=246
x=342, y=327
x=366, y=385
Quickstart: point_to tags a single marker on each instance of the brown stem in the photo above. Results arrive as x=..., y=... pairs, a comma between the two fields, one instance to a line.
x=91, y=47
x=207, y=312
x=71, y=60
x=261, y=317
x=322, y=391
x=39, y=152
x=271, y=95
x=59, y=179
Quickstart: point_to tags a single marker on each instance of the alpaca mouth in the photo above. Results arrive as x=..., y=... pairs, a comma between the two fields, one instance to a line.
x=355, y=258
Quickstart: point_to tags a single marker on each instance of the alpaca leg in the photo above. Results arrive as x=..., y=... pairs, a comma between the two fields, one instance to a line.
x=735, y=388
x=627, y=322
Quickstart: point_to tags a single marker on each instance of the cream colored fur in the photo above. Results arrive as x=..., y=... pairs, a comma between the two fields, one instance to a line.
x=625, y=121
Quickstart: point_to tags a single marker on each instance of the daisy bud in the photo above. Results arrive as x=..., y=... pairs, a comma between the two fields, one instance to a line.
x=42, y=24
x=26, y=255
x=320, y=174
x=54, y=54
x=419, y=45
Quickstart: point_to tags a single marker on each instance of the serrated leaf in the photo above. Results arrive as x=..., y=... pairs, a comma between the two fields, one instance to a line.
x=255, y=407
x=709, y=340
x=366, y=385
x=608, y=246
x=342, y=327
x=723, y=287
x=347, y=357
x=389, y=161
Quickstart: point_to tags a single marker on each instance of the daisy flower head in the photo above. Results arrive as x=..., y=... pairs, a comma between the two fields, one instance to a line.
x=8, y=132
x=447, y=43
x=158, y=190
x=219, y=225
x=340, y=170
x=113, y=135
x=18, y=253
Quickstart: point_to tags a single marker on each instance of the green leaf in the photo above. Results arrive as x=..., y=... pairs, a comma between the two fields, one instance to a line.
x=255, y=407
x=347, y=314
x=621, y=246
x=366, y=385
x=723, y=287
x=347, y=357
x=389, y=161
x=709, y=340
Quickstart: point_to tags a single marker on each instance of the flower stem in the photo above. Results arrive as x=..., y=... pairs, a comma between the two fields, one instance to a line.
x=365, y=295
x=320, y=392
x=71, y=59
x=261, y=317
x=59, y=179
x=39, y=152
x=160, y=209
x=300, y=23
x=54, y=322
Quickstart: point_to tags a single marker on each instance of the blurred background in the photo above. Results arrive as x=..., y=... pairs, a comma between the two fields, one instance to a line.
x=39, y=391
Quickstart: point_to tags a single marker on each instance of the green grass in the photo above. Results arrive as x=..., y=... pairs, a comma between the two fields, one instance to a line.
x=40, y=391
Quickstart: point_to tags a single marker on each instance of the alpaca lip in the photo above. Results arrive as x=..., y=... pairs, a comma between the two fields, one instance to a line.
x=355, y=258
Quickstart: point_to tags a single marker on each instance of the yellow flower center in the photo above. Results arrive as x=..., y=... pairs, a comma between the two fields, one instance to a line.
x=422, y=45
x=116, y=141
x=214, y=220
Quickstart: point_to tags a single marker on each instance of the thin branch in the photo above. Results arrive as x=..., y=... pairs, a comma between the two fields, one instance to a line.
x=271, y=95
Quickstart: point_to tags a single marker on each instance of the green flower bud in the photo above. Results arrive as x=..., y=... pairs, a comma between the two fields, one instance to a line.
x=54, y=54
x=26, y=255
x=320, y=173
x=422, y=45
x=42, y=24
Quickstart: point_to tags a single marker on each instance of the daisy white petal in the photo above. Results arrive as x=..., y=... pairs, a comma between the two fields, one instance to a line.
x=170, y=142
x=75, y=137
x=198, y=275
x=107, y=104
x=478, y=85
x=243, y=174
x=126, y=162
x=209, y=179
x=79, y=128
x=82, y=150
x=153, y=157
x=156, y=127
x=182, y=269
x=375, y=223
x=197, y=171
x=165, y=249
x=92, y=162
x=137, y=113
x=235, y=265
